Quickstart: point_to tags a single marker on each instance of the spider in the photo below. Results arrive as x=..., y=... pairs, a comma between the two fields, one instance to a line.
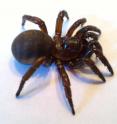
x=36, y=47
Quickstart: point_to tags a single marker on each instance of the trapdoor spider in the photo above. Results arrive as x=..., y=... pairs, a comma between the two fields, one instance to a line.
x=36, y=47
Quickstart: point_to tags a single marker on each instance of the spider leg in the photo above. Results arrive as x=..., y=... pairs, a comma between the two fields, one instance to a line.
x=96, y=45
x=35, y=20
x=28, y=74
x=82, y=31
x=103, y=59
x=93, y=42
x=92, y=35
x=90, y=41
x=61, y=70
x=74, y=26
x=66, y=84
x=93, y=67
x=59, y=22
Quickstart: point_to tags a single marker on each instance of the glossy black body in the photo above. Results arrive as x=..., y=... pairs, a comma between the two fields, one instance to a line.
x=28, y=46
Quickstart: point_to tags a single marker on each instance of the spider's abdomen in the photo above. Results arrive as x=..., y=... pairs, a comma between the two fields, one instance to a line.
x=30, y=45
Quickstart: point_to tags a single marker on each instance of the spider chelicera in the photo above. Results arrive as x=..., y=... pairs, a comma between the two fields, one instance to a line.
x=36, y=47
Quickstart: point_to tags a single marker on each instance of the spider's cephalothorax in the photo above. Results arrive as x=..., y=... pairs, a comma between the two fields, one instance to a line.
x=37, y=47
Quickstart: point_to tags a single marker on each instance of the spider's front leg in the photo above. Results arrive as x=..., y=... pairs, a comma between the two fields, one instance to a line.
x=28, y=74
x=61, y=69
x=35, y=20
x=89, y=28
x=103, y=59
x=75, y=26
x=66, y=84
x=59, y=23
x=92, y=39
x=93, y=67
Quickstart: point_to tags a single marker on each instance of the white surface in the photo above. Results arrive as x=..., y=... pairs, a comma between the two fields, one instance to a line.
x=43, y=101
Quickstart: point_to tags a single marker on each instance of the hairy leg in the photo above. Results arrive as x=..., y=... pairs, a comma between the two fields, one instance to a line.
x=28, y=74
x=66, y=84
x=75, y=26
x=35, y=20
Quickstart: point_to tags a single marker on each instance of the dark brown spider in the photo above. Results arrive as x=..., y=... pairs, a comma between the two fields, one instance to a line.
x=37, y=47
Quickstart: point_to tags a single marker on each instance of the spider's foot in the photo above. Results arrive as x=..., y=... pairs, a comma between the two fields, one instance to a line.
x=17, y=93
x=63, y=13
x=93, y=67
x=73, y=111
x=104, y=60
x=106, y=63
x=71, y=104
x=20, y=88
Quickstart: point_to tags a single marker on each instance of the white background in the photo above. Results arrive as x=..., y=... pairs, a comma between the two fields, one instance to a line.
x=43, y=100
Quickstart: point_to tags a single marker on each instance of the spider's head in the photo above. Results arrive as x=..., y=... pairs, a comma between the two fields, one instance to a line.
x=73, y=44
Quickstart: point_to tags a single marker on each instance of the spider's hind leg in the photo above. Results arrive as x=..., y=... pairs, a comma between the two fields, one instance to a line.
x=35, y=20
x=28, y=74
